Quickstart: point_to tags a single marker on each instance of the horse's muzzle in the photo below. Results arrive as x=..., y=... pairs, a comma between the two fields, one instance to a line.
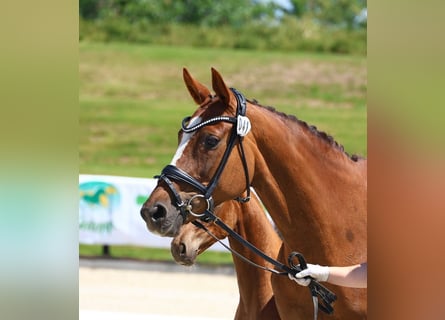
x=161, y=220
x=183, y=254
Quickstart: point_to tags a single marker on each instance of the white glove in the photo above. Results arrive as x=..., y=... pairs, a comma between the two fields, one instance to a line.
x=319, y=273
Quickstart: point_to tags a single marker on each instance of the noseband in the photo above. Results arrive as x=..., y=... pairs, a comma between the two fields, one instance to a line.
x=241, y=126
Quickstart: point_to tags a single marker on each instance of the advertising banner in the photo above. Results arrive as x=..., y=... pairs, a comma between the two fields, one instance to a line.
x=109, y=212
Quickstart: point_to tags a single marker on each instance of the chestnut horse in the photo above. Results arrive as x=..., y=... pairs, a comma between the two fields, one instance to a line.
x=314, y=191
x=254, y=284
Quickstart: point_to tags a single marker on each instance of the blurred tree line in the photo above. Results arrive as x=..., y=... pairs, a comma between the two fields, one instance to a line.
x=310, y=25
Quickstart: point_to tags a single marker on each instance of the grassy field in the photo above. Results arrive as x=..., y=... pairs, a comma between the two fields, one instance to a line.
x=132, y=98
x=152, y=254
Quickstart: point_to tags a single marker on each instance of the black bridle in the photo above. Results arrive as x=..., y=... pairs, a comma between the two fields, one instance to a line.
x=171, y=172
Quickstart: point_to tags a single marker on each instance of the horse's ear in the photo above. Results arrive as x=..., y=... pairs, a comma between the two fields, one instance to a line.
x=198, y=91
x=221, y=89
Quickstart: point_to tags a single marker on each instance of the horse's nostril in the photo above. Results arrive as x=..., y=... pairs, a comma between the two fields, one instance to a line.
x=157, y=212
x=182, y=249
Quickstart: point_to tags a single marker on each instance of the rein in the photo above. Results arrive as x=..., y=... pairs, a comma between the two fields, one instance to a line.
x=241, y=126
x=317, y=290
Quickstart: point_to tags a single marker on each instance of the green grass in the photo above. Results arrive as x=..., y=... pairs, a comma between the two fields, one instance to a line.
x=153, y=254
x=132, y=99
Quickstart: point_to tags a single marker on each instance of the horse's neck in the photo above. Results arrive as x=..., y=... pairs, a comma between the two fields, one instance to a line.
x=254, y=226
x=295, y=174
x=254, y=283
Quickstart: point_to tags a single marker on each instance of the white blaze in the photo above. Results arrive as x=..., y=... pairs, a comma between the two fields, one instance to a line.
x=184, y=141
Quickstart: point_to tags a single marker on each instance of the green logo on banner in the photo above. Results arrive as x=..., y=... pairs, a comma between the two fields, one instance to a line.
x=140, y=199
x=97, y=202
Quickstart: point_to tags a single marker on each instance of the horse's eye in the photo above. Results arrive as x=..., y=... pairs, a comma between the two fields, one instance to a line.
x=211, y=142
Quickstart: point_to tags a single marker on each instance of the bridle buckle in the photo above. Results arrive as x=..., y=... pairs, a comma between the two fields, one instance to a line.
x=189, y=206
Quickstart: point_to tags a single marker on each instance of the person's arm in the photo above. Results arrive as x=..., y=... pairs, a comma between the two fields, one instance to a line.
x=354, y=276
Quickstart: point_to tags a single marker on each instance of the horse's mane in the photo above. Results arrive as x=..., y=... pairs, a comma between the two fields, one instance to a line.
x=321, y=134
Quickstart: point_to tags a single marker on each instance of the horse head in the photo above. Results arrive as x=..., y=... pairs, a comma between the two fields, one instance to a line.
x=191, y=240
x=207, y=168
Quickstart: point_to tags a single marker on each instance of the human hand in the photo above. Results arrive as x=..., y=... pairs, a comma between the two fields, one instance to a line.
x=319, y=273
